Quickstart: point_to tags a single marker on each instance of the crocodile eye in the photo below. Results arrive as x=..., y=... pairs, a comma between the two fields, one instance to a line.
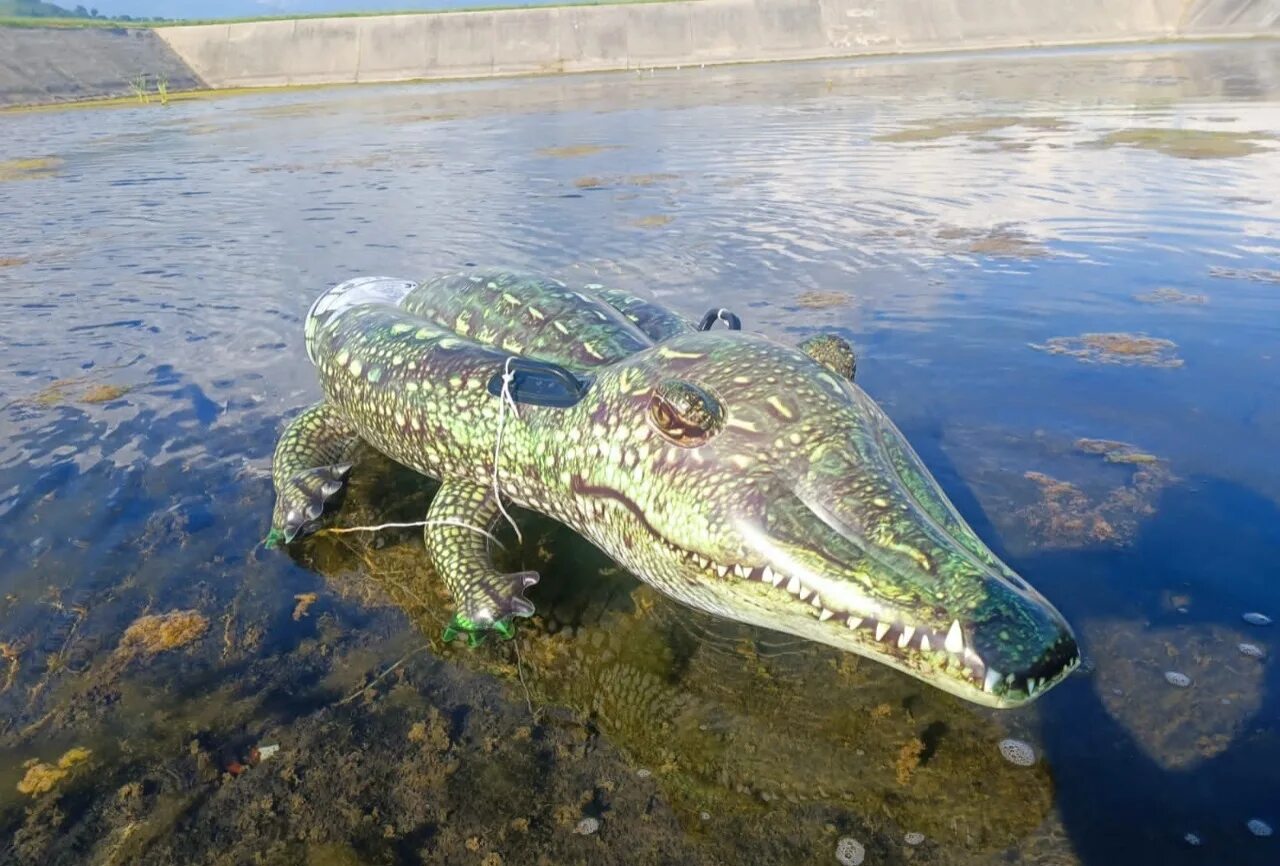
x=685, y=414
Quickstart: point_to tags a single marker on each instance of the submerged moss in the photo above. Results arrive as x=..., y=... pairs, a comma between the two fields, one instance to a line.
x=1188, y=143
x=1065, y=516
x=1115, y=348
x=652, y=221
x=157, y=633
x=571, y=151
x=103, y=393
x=42, y=778
x=822, y=300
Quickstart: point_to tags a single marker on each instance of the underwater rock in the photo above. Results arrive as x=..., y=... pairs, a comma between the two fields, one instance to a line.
x=1018, y=752
x=850, y=852
x=1251, y=650
x=913, y=838
x=587, y=826
x=1179, y=680
x=1176, y=727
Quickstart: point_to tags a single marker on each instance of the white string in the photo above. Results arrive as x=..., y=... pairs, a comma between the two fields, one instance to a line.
x=507, y=378
x=436, y=522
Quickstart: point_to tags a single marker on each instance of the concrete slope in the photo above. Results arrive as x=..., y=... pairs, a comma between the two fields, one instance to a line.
x=46, y=64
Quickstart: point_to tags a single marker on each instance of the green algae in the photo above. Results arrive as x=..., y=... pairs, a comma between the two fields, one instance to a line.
x=652, y=221
x=1065, y=516
x=969, y=127
x=1002, y=241
x=822, y=300
x=1115, y=348
x=1255, y=275
x=1188, y=143
x=1170, y=296
x=29, y=168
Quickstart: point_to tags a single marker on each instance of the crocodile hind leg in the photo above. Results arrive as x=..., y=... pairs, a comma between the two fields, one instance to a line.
x=457, y=533
x=310, y=465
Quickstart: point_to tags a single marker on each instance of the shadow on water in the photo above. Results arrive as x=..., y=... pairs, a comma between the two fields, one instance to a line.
x=1119, y=803
x=756, y=739
x=1116, y=800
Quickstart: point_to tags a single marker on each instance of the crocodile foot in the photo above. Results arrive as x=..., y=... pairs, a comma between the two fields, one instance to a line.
x=302, y=500
x=494, y=611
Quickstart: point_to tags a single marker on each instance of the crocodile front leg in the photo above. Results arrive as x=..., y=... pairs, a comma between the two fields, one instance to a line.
x=458, y=524
x=310, y=465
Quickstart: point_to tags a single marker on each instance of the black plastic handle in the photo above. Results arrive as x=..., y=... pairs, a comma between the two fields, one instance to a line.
x=539, y=383
x=734, y=323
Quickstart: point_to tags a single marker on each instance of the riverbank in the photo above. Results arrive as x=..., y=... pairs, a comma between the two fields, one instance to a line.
x=583, y=38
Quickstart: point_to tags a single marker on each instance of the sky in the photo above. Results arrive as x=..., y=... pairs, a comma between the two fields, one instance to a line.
x=243, y=8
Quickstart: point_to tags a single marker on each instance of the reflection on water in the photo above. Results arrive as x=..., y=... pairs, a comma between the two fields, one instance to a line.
x=947, y=215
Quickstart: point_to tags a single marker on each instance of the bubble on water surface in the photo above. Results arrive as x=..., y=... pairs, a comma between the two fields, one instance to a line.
x=587, y=826
x=1251, y=650
x=1018, y=752
x=1255, y=618
x=1192, y=839
x=849, y=851
x=913, y=838
x=1174, y=678
x=1259, y=827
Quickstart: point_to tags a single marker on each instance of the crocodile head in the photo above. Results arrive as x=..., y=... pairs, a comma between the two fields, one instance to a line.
x=757, y=482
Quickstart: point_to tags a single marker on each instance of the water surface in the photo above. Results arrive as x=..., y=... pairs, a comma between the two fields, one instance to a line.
x=1061, y=272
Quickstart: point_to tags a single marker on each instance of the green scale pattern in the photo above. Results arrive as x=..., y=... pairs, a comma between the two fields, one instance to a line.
x=746, y=478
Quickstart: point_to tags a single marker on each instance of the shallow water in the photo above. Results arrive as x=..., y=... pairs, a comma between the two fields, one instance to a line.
x=966, y=222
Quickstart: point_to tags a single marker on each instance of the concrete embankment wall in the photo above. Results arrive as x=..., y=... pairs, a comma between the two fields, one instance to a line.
x=46, y=65
x=590, y=38
x=42, y=65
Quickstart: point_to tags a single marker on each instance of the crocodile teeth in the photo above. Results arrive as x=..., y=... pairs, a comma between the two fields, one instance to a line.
x=882, y=629
x=777, y=580
x=770, y=576
x=955, y=640
x=905, y=637
x=1031, y=687
x=825, y=615
x=741, y=570
x=793, y=586
x=924, y=643
x=805, y=593
x=853, y=621
x=993, y=677
x=816, y=601
x=723, y=570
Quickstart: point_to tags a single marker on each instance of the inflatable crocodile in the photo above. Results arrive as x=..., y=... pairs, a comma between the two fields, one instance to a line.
x=743, y=477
